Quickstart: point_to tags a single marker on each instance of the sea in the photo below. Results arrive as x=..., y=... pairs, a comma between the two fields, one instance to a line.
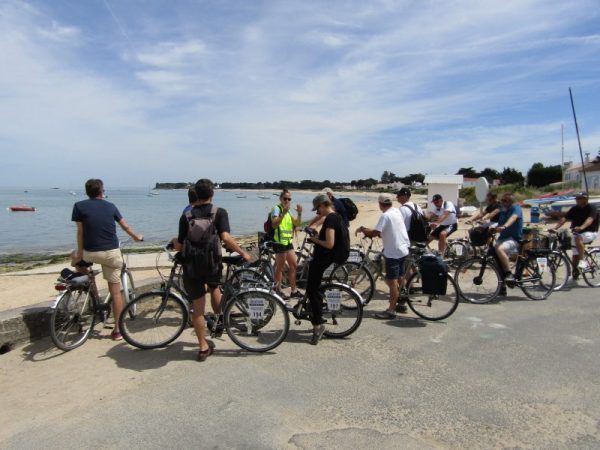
x=153, y=213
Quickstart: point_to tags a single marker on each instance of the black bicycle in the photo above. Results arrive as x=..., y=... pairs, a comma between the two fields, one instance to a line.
x=254, y=318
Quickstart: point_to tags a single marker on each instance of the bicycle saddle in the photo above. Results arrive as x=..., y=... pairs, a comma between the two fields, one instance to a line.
x=236, y=260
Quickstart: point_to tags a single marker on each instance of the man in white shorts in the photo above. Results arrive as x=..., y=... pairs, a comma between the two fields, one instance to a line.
x=584, y=225
x=442, y=215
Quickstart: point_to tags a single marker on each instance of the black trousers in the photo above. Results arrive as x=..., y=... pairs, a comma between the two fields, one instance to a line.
x=316, y=269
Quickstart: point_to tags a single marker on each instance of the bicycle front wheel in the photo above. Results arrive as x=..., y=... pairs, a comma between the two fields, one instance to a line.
x=159, y=319
x=478, y=284
x=256, y=320
x=562, y=268
x=537, y=280
x=72, y=319
x=358, y=277
x=431, y=306
x=342, y=309
x=591, y=273
x=248, y=277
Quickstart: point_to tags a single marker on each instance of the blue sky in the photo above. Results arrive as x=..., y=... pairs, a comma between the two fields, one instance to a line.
x=135, y=92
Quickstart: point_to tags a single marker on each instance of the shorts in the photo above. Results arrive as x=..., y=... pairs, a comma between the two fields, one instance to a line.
x=509, y=245
x=394, y=268
x=587, y=236
x=449, y=228
x=110, y=260
x=283, y=248
x=196, y=288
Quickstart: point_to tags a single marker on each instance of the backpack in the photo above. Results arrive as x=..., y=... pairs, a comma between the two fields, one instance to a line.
x=418, y=226
x=201, y=247
x=434, y=275
x=341, y=248
x=268, y=228
x=456, y=209
x=351, y=208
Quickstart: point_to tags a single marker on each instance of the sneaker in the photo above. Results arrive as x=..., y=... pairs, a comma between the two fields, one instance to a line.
x=502, y=292
x=386, y=314
x=575, y=275
x=317, y=334
x=510, y=280
x=116, y=336
x=401, y=308
x=296, y=294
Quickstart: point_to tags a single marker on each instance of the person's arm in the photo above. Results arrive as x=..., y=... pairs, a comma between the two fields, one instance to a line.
x=127, y=229
x=316, y=221
x=368, y=232
x=79, y=255
x=584, y=225
x=231, y=244
x=298, y=220
x=276, y=220
x=329, y=241
x=560, y=223
x=512, y=219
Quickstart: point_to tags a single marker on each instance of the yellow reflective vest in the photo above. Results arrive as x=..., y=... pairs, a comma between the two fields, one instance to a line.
x=285, y=231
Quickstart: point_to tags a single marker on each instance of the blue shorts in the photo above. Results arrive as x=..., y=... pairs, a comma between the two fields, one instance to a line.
x=394, y=268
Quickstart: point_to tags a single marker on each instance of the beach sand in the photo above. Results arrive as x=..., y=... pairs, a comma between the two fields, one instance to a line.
x=35, y=286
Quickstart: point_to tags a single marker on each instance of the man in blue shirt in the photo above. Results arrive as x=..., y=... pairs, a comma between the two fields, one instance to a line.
x=97, y=241
x=510, y=226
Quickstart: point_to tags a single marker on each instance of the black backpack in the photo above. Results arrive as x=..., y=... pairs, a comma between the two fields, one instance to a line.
x=418, y=226
x=341, y=248
x=351, y=208
x=268, y=228
x=202, y=246
x=434, y=275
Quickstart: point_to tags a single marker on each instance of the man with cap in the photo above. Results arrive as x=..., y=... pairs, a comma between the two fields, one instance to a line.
x=392, y=231
x=339, y=207
x=442, y=216
x=407, y=207
x=322, y=258
x=584, y=224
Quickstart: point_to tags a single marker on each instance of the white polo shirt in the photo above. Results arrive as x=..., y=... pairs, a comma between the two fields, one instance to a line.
x=393, y=233
x=447, y=205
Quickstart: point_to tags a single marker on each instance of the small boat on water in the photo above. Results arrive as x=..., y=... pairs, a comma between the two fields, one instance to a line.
x=263, y=196
x=21, y=208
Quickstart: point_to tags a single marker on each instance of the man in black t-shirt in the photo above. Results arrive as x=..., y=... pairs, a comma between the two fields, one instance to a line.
x=196, y=288
x=97, y=241
x=329, y=234
x=584, y=224
x=491, y=211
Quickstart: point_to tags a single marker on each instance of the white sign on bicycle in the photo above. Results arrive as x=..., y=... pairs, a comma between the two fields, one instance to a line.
x=459, y=250
x=354, y=257
x=256, y=308
x=542, y=264
x=334, y=300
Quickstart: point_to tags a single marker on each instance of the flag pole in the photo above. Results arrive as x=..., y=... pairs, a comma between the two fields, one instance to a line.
x=579, y=142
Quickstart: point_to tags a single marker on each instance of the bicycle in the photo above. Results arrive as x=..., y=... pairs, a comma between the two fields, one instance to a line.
x=254, y=318
x=589, y=265
x=480, y=278
x=78, y=306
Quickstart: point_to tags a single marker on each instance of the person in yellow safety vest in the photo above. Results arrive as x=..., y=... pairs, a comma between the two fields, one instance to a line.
x=283, y=225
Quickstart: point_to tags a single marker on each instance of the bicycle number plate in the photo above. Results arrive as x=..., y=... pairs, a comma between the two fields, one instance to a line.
x=354, y=257
x=459, y=250
x=334, y=300
x=542, y=264
x=256, y=308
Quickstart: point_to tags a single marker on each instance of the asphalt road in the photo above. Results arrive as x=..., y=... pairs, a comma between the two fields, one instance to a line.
x=514, y=374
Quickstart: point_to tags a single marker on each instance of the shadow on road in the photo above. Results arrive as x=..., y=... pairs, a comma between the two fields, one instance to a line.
x=40, y=350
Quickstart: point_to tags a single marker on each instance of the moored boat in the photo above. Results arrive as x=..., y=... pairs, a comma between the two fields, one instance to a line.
x=21, y=208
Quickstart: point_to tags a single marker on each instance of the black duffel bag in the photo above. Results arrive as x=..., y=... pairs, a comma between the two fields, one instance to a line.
x=434, y=274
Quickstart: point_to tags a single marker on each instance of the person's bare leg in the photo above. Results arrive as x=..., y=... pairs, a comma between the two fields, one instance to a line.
x=279, y=265
x=117, y=302
x=394, y=293
x=503, y=258
x=290, y=257
x=442, y=242
x=580, y=249
x=198, y=322
x=215, y=299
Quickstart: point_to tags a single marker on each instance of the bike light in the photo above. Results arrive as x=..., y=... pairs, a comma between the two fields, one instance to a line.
x=60, y=287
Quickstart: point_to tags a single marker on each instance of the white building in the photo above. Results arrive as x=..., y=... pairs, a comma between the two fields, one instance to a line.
x=445, y=185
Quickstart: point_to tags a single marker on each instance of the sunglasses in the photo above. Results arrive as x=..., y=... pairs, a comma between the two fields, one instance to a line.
x=287, y=199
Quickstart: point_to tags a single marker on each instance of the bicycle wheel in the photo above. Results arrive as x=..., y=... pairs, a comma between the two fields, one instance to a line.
x=128, y=292
x=248, y=277
x=160, y=318
x=537, y=282
x=457, y=252
x=256, y=320
x=358, y=277
x=72, y=319
x=591, y=273
x=342, y=309
x=474, y=285
x=562, y=268
x=431, y=306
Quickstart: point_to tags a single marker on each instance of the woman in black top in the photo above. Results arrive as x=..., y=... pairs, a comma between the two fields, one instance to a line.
x=322, y=258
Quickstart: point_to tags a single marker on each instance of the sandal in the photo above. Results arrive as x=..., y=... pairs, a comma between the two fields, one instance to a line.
x=204, y=354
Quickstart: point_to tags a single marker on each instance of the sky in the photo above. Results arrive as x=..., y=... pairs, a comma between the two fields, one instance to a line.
x=142, y=91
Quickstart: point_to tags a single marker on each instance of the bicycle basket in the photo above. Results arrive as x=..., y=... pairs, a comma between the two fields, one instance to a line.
x=478, y=236
x=540, y=242
x=564, y=238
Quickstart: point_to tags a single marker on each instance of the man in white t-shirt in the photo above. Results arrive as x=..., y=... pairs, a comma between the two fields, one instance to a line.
x=407, y=207
x=442, y=215
x=392, y=231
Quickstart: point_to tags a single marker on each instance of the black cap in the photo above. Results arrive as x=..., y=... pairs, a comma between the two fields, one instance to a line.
x=581, y=195
x=404, y=191
x=436, y=197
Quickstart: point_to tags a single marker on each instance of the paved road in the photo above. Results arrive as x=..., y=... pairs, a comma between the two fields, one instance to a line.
x=516, y=374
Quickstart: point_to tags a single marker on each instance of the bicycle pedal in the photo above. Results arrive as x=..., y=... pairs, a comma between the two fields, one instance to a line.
x=297, y=322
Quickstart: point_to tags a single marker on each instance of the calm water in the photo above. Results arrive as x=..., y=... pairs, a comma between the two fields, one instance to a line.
x=50, y=229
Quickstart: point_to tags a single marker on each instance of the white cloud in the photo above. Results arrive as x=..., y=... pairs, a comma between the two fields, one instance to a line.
x=60, y=33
